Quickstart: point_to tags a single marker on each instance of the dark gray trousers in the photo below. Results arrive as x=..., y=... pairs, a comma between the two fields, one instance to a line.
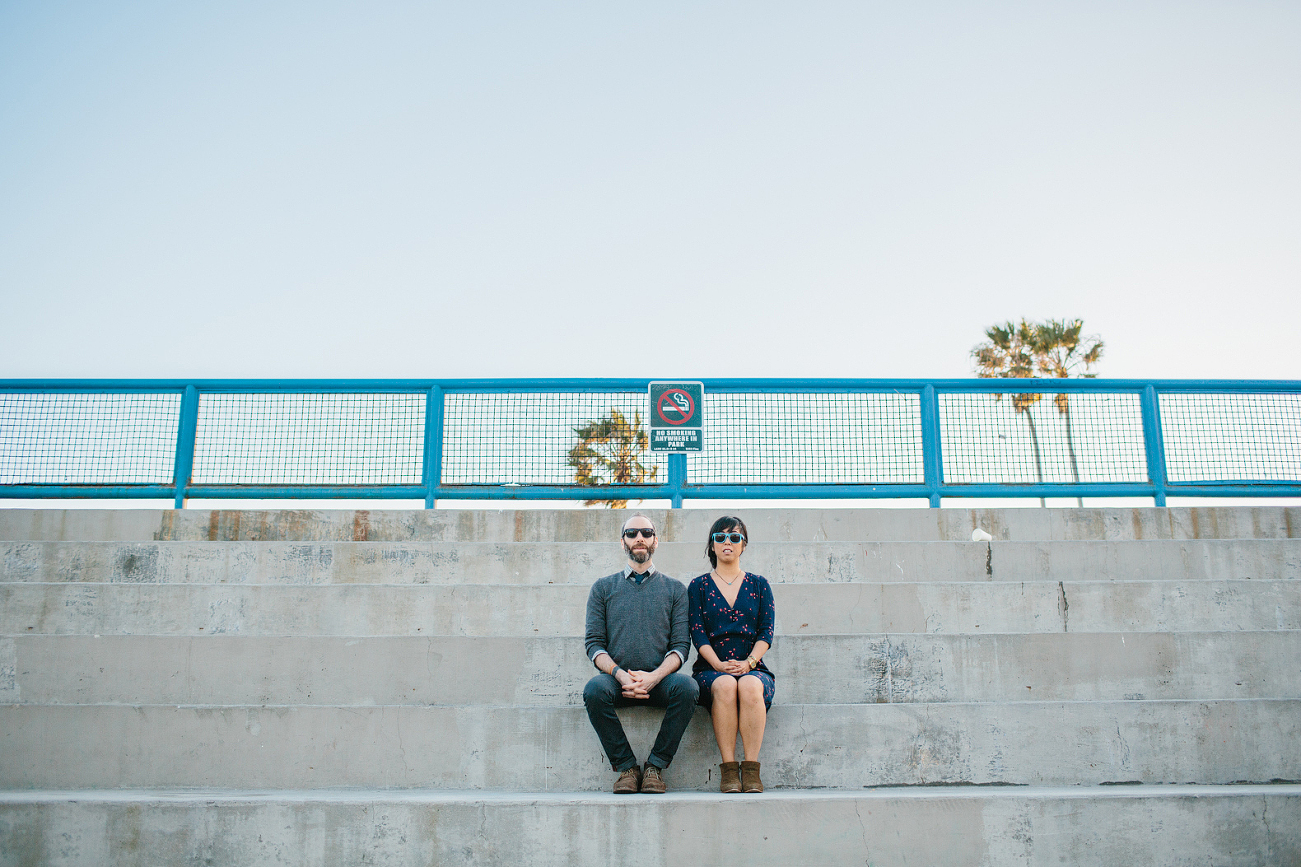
x=676, y=693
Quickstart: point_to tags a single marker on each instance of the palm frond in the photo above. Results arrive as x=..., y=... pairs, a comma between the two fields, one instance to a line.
x=609, y=451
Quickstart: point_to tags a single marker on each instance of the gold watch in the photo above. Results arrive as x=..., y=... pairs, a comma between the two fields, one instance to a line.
x=754, y=663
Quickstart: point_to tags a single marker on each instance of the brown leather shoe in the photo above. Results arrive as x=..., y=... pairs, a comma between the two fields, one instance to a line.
x=750, y=781
x=729, y=781
x=652, y=782
x=629, y=782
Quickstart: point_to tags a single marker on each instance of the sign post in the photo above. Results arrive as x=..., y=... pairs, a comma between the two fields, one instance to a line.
x=676, y=414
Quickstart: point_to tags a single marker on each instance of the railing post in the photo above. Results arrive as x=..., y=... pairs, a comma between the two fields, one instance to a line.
x=932, y=460
x=1154, y=444
x=432, y=456
x=677, y=477
x=185, y=435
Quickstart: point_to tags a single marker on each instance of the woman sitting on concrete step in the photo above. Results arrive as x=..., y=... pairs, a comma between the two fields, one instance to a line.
x=731, y=615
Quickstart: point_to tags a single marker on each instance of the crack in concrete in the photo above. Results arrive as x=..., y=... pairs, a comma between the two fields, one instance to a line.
x=1124, y=745
x=401, y=746
x=989, y=561
x=804, y=739
x=853, y=609
x=1269, y=839
x=862, y=829
x=482, y=836
x=1063, y=606
x=889, y=672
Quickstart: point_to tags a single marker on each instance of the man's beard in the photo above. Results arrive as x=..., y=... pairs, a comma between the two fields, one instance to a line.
x=640, y=555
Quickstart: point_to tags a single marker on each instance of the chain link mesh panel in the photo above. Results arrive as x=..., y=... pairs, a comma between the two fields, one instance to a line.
x=524, y=438
x=88, y=439
x=309, y=439
x=1232, y=437
x=1057, y=439
x=810, y=438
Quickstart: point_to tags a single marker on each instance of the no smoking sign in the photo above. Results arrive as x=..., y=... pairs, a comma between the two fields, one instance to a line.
x=675, y=407
x=676, y=416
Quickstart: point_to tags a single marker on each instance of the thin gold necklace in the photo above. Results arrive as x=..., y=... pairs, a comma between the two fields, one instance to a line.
x=725, y=581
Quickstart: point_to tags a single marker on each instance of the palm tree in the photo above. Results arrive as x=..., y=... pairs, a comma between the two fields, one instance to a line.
x=1060, y=353
x=1010, y=354
x=609, y=452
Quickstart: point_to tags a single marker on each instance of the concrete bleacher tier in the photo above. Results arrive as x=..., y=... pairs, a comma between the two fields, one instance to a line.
x=1095, y=686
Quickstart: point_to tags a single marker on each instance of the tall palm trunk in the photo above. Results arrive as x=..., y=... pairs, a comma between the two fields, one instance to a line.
x=1070, y=446
x=1038, y=461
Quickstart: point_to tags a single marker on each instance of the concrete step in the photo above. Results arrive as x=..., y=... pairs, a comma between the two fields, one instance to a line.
x=551, y=672
x=1158, y=826
x=690, y=525
x=300, y=652
x=584, y=562
x=506, y=610
x=528, y=748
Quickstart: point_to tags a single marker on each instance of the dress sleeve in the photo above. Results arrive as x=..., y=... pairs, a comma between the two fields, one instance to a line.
x=696, y=617
x=767, y=612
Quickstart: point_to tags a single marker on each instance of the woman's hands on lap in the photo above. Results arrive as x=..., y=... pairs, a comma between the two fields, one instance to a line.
x=734, y=667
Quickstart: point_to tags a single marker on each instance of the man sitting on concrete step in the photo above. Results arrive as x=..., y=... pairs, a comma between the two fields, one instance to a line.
x=637, y=637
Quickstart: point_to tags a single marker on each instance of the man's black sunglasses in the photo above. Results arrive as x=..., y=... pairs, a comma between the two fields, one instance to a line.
x=646, y=532
x=729, y=537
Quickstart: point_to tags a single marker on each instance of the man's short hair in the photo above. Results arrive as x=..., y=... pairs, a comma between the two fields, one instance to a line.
x=634, y=515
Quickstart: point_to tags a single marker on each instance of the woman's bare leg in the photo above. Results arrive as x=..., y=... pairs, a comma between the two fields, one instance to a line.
x=753, y=715
x=722, y=710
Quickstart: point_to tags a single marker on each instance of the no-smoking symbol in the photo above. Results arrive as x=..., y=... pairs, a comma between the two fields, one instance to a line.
x=675, y=407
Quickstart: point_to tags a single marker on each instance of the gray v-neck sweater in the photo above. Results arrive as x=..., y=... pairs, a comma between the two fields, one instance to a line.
x=638, y=625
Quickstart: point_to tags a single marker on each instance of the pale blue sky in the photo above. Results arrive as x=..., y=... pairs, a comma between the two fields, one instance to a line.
x=749, y=189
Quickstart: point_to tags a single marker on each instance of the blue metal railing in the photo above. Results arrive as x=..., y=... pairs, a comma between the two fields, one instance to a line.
x=769, y=439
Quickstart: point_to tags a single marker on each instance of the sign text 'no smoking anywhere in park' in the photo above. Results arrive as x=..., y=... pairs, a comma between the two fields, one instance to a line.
x=677, y=416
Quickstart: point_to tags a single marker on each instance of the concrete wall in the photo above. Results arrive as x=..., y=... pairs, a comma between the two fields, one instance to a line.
x=198, y=687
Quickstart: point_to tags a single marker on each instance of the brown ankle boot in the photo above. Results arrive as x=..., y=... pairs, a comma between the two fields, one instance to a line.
x=729, y=782
x=750, y=781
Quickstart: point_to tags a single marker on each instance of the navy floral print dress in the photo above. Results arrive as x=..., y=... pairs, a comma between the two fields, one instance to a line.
x=731, y=630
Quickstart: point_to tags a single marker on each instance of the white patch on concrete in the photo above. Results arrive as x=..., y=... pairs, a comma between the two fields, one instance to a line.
x=8, y=670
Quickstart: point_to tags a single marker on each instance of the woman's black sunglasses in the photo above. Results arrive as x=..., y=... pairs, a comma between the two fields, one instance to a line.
x=646, y=532
x=729, y=537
